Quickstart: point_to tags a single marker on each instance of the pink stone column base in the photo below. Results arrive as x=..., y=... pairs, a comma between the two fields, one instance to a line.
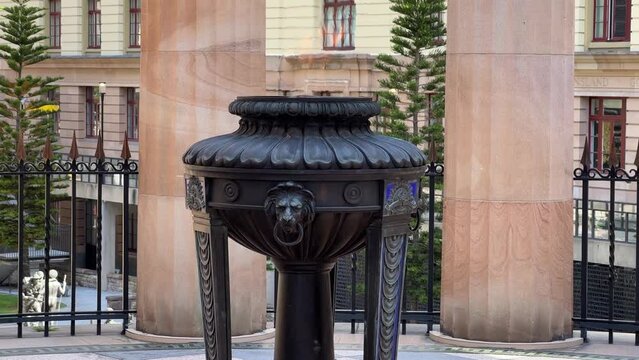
x=508, y=273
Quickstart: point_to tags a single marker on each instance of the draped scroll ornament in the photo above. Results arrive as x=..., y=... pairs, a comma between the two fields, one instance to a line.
x=393, y=258
x=292, y=207
x=205, y=261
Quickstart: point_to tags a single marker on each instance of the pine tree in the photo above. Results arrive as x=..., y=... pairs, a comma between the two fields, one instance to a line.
x=26, y=113
x=413, y=74
x=415, y=70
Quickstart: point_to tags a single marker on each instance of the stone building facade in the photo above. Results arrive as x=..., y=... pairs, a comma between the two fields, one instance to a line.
x=94, y=41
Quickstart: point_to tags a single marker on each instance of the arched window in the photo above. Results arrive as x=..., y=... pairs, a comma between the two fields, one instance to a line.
x=339, y=24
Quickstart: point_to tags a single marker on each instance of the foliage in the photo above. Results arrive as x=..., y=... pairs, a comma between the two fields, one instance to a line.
x=412, y=101
x=417, y=270
x=25, y=111
x=417, y=71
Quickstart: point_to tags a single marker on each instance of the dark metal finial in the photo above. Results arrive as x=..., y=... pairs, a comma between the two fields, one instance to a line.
x=126, y=153
x=21, y=154
x=47, y=151
x=637, y=157
x=99, y=150
x=585, y=158
x=73, y=153
x=432, y=151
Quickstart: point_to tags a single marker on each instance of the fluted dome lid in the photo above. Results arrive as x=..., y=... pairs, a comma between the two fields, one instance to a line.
x=304, y=133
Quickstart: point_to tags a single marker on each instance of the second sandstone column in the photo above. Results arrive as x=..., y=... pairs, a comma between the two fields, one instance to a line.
x=507, y=247
x=197, y=56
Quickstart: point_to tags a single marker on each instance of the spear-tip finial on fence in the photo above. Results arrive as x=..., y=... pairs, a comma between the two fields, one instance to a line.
x=432, y=151
x=126, y=152
x=99, y=150
x=585, y=157
x=21, y=154
x=637, y=157
x=47, y=151
x=73, y=153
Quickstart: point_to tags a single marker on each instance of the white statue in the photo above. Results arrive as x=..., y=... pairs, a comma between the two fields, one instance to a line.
x=56, y=289
x=33, y=294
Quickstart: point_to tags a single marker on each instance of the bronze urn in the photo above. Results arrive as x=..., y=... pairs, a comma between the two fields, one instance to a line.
x=304, y=180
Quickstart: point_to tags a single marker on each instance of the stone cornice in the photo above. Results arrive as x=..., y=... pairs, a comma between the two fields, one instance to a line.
x=329, y=60
x=89, y=62
x=625, y=62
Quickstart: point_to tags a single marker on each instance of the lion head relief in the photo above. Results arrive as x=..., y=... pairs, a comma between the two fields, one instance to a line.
x=292, y=207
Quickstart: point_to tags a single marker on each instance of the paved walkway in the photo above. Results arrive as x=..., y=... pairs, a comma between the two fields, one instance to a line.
x=111, y=345
x=415, y=345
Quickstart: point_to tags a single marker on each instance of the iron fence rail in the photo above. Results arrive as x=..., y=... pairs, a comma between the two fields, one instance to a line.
x=611, y=175
x=49, y=167
x=429, y=316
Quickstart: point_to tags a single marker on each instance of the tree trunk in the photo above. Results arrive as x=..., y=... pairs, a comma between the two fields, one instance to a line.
x=416, y=113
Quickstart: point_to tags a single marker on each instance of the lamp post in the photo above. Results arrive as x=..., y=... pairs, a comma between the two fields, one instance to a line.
x=102, y=88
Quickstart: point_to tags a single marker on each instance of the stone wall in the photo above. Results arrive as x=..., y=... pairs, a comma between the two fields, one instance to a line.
x=114, y=283
x=88, y=278
x=85, y=278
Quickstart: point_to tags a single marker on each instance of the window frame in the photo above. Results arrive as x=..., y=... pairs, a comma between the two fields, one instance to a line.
x=94, y=38
x=608, y=22
x=54, y=96
x=601, y=118
x=91, y=118
x=339, y=5
x=55, y=27
x=132, y=114
x=135, y=24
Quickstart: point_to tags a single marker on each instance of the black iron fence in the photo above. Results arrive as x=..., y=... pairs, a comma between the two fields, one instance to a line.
x=588, y=317
x=58, y=180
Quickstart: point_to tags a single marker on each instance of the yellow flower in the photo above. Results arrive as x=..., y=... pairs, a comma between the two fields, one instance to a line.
x=49, y=108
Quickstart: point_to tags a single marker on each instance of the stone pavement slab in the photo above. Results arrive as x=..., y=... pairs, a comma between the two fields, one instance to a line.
x=415, y=345
x=267, y=354
x=195, y=351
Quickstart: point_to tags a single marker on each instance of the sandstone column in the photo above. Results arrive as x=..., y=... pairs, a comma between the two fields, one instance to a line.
x=507, y=262
x=197, y=56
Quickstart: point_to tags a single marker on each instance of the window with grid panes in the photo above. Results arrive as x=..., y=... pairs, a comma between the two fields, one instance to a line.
x=95, y=25
x=607, y=131
x=55, y=25
x=92, y=111
x=135, y=23
x=339, y=24
x=132, y=113
x=54, y=96
x=611, y=20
